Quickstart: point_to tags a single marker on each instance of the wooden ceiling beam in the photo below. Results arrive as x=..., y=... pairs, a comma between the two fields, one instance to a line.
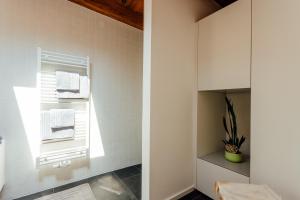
x=130, y=13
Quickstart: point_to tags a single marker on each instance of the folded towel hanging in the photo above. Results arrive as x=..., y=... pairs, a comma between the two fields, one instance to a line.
x=62, y=133
x=84, y=87
x=68, y=95
x=83, y=92
x=66, y=81
x=61, y=118
x=48, y=133
x=45, y=129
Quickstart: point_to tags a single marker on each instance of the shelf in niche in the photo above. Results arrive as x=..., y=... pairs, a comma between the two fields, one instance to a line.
x=217, y=158
x=229, y=91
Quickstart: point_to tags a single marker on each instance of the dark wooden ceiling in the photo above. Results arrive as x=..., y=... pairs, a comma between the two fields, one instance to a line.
x=130, y=12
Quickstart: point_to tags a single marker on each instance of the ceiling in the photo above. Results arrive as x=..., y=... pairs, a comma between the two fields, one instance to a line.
x=130, y=12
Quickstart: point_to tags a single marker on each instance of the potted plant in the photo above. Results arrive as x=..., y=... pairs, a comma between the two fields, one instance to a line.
x=232, y=141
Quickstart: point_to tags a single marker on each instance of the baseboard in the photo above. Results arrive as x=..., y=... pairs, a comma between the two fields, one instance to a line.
x=181, y=193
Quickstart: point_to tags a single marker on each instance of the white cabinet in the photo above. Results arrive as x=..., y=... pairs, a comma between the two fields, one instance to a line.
x=208, y=173
x=224, y=65
x=224, y=48
x=275, y=129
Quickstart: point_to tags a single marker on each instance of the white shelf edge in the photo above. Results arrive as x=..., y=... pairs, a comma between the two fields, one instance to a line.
x=217, y=158
x=228, y=90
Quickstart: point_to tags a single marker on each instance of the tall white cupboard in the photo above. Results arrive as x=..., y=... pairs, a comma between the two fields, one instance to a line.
x=224, y=48
x=250, y=51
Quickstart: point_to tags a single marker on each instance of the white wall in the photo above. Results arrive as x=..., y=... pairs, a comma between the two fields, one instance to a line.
x=170, y=93
x=275, y=98
x=115, y=50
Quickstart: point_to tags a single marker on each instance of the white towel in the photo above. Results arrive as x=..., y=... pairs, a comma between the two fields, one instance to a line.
x=67, y=81
x=83, y=93
x=241, y=191
x=68, y=95
x=60, y=118
x=47, y=133
x=84, y=87
x=62, y=133
x=45, y=126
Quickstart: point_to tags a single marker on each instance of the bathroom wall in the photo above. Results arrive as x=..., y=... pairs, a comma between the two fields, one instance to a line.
x=115, y=50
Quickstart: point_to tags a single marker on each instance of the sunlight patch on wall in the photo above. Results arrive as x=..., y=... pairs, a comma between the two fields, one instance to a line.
x=96, y=145
x=29, y=106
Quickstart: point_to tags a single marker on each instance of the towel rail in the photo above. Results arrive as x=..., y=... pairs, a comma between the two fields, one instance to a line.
x=63, y=59
x=60, y=152
x=57, y=157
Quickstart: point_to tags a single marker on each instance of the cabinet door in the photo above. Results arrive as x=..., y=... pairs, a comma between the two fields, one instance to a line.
x=208, y=174
x=224, y=48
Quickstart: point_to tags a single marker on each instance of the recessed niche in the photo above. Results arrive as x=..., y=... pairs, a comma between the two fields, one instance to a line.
x=211, y=109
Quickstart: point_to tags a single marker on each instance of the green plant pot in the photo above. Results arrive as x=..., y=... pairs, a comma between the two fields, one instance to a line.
x=233, y=157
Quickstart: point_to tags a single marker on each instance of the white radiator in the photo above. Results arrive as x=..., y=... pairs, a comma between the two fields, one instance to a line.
x=2, y=164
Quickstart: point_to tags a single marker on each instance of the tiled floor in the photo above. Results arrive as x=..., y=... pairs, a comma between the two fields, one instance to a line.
x=195, y=195
x=123, y=184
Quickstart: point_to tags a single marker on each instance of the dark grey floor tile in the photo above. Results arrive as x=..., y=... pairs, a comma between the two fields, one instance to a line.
x=139, y=166
x=134, y=183
x=65, y=187
x=74, y=184
x=202, y=198
x=195, y=195
x=127, y=172
x=37, y=195
x=110, y=187
x=192, y=195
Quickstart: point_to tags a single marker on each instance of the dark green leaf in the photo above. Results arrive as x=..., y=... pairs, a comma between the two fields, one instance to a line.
x=241, y=141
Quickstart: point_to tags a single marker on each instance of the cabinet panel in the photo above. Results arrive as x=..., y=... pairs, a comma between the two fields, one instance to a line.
x=275, y=108
x=224, y=48
x=208, y=174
